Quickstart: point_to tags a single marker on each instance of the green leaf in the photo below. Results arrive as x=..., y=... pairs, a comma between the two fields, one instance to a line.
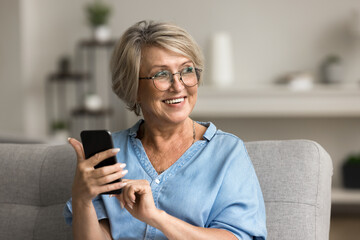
x=98, y=13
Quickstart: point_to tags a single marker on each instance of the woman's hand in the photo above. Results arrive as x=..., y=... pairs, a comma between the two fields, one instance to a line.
x=90, y=182
x=137, y=198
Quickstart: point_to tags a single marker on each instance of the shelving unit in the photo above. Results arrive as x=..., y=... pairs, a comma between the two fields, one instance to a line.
x=345, y=202
x=67, y=90
x=278, y=101
x=345, y=196
x=86, y=52
x=57, y=95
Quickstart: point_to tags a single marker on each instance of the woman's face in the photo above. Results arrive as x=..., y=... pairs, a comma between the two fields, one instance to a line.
x=173, y=105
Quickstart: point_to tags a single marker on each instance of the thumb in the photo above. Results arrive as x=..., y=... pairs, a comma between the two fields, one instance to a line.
x=78, y=147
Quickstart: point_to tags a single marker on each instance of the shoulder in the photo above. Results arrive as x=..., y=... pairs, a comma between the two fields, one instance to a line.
x=123, y=135
x=120, y=134
x=227, y=136
x=226, y=147
x=218, y=137
x=120, y=137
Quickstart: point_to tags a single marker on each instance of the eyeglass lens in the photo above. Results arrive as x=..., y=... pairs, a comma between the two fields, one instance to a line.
x=163, y=80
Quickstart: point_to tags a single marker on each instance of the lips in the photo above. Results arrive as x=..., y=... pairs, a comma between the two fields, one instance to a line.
x=174, y=100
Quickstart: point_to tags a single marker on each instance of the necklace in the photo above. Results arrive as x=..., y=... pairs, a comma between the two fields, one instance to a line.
x=194, y=136
x=194, y=132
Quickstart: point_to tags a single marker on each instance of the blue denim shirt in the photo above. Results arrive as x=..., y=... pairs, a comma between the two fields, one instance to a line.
x=212, y=185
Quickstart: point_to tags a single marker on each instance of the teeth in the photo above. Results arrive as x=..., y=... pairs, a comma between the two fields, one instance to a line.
x=173, y=101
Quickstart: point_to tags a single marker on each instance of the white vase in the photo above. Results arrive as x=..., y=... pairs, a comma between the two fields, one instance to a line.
x=102, y=33
x=221, y=62
x=59, y=136
x=333, y=73
x=93, y=102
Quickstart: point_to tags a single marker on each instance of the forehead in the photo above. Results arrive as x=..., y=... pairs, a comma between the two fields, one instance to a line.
x=152, y=56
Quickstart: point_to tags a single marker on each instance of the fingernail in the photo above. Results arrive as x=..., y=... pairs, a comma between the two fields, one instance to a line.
x=121, y=205
x=111, y=195
x=115, y=150
x=123, y=165
x=69, y=139
x=130, y=206
x=124, y=172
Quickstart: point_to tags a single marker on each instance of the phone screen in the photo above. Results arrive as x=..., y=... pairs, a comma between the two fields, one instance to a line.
x=95, y=141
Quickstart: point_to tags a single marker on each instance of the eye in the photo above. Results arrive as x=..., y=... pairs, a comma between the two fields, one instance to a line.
x=187, y=70
x=162, y=74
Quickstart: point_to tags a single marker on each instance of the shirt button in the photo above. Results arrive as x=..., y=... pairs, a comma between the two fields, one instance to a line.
x=157, y=181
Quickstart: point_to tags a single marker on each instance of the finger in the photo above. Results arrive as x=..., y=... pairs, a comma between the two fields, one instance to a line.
x=111, y=177
x=112, y=187
x=78, y=147
x=126, y=180
x=101, y=156
x=103, y=171
x=125, y=200
x=120, y=198
x=129, y=194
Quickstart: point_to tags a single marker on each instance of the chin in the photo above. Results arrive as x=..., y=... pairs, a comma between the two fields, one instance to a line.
x=178, y=117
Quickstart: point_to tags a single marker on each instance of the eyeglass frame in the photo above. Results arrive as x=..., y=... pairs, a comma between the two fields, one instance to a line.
x=197, y=71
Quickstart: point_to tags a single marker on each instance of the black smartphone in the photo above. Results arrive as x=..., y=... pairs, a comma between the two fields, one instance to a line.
x=95, y=141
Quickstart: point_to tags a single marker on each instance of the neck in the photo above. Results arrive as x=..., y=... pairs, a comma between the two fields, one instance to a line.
x=158, y=135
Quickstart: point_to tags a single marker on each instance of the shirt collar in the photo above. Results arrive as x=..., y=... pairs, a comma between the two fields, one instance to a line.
x=134, y=129
x=210, y=131
x=208, y=135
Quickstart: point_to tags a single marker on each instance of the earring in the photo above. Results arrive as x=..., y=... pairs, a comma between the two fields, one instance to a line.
x=137, y=109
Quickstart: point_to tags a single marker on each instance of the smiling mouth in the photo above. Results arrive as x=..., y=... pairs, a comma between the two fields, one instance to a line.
x=174, y=101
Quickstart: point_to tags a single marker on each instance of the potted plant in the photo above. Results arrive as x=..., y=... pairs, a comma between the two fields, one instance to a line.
x=351, y=171
x=331, y=69
x=59, y=130
x=98, y=14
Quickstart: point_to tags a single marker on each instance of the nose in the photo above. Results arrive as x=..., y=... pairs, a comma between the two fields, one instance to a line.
x=177, y=84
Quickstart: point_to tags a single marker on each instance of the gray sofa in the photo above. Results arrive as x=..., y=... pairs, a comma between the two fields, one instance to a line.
x=295, y=177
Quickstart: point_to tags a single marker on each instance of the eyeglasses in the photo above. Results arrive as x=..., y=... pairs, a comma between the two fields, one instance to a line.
x=163, y=80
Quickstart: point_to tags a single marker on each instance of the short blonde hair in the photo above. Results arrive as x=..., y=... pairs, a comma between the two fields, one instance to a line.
x=125, y=61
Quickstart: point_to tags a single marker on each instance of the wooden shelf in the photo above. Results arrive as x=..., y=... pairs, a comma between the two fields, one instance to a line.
x=342, y=196
x=79, y=112
x=74, y=76
x=279, y=101
x=93, y=43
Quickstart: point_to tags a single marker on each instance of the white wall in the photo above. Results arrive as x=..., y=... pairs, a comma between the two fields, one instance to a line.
x=270, y=37
x=11, y=88
x=50, y=30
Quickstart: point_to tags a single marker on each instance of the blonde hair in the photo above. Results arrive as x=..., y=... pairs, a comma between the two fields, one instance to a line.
x=125, y=61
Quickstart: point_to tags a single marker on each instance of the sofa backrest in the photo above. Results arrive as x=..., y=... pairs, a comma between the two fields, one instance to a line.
x=35, y=183
x=295, y=178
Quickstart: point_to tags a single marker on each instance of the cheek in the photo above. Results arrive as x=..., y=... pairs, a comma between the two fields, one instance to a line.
x=149, y=98
x=193, y=93
x=144, y=92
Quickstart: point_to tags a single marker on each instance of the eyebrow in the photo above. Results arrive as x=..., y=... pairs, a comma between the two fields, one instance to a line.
x=165, y=66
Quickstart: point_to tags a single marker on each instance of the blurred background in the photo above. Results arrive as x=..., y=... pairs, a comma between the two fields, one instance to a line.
x=280, y=69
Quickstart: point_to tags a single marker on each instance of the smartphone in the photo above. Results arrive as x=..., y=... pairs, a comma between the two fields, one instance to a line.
x=95, y=141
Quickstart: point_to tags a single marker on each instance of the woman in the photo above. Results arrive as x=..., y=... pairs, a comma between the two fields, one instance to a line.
x=184, y=179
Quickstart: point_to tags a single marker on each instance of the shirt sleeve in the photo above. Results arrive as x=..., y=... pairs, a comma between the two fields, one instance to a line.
x=239, y=206
x=98, y=205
